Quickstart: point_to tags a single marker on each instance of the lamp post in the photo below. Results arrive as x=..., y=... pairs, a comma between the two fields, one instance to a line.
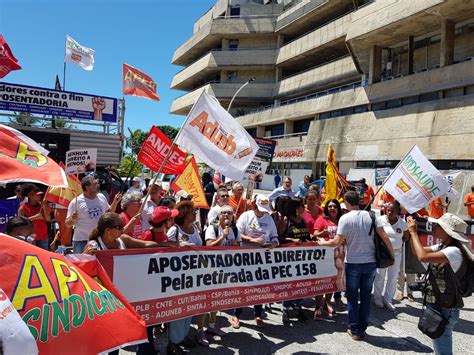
x=237, y=92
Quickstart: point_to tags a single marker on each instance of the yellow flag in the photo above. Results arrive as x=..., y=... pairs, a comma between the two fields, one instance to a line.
x=330, y=186
x=190, y=182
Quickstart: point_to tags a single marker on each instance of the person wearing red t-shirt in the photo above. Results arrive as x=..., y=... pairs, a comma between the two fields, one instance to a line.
x=37, y=211
x=469, y=203
x=312, y=209
x=158, y=223
x=326, y=227
x=131, y=217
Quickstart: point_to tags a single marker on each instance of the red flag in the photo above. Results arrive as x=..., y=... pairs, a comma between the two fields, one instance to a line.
x=154, y=150
x=22, y=159
x=66, y=309
x=8, y=62
x=137, y=83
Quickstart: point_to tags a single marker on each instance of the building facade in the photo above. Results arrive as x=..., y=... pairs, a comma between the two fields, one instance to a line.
x=371, y=77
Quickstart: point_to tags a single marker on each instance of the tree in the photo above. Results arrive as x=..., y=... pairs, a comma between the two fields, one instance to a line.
x=135, y=140
x=24, y=119
x=170, y=132
x=60, y=123
x=129, y=166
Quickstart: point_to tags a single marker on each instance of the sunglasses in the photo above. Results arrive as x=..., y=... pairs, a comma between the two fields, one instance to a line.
x=332, y=206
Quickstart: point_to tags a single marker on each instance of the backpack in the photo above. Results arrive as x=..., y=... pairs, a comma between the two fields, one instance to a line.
x=466, y=283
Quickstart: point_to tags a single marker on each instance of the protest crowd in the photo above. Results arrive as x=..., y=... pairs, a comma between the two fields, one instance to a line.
x=155, y=217
x=149, y=263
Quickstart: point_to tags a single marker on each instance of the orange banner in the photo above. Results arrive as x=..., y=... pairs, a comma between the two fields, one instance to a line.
x=190, y=182
x=65, y=310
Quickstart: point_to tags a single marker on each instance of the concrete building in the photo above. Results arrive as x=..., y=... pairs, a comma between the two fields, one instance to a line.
x=371, y=77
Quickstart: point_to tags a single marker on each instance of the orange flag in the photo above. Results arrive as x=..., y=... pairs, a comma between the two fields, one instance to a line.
x=190, y=181
x=63, y=196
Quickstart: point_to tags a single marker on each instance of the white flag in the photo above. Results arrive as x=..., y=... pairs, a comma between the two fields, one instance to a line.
x=452, y=193
x=415, y=182
x=75, y=53
x=214, y=136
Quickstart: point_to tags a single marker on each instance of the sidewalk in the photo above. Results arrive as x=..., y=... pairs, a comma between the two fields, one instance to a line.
x=388, y=333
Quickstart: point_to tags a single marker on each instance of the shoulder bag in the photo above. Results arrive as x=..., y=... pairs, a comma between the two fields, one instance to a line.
x=383, y=257
x=432, y=323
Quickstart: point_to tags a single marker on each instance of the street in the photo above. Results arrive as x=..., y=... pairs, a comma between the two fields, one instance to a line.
x=388, y=333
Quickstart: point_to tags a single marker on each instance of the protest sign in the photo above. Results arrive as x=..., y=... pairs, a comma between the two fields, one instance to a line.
x=381, y=174
x=8, y=210
x=190, y=182
x=155, y=148
x=261, y=161
x=15, y=337
x=173, y=283
x=452, y=193
x=22, y=160
x=415, y=181
x=63, y=307
x=80, y=161
x=214, y=136
x=32, y=99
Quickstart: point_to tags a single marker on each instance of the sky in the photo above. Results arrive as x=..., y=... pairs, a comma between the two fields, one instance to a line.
x=142, y=33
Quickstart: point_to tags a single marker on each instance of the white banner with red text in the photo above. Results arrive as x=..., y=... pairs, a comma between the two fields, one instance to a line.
x=165, y=284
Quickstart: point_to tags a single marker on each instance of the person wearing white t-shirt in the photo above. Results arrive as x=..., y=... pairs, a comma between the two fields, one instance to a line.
x=361, y=266
x=397, y=230
x=256, y=229
x=85, y=210
x=151, y=202
x=225, y=233
x=447, y=262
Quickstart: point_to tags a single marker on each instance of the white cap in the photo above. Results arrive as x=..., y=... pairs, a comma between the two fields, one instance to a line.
x=262, y=203
x=181, y=195
x=136, y=179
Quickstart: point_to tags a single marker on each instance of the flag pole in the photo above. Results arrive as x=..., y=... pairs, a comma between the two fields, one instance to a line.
x=162, y=165
x=64, y=76
x=383, y=184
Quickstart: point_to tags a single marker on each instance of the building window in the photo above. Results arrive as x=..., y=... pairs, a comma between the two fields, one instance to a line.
x=379, y=106
x=235, y=11
x=369, y=164
x=233, y=44
x=324, y=115
x=361, y=109
x=431, y=96
x=394, y=103
x=410, y=100
x=301, y=126
x=252, y=132
x=231, y=76
x=275, y=130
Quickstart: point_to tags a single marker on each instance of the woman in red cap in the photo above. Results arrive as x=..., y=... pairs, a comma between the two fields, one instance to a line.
x=158, y=226
x=37, y=211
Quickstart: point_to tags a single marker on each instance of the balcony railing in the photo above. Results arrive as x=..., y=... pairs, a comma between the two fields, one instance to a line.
x=318, y=94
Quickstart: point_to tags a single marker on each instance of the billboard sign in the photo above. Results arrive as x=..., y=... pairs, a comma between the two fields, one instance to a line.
x=31, y=99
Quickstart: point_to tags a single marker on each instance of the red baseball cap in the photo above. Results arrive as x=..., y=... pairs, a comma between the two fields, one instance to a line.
x=162, y=213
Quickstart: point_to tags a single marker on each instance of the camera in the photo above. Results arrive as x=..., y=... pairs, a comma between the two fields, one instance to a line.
x=419, y=285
